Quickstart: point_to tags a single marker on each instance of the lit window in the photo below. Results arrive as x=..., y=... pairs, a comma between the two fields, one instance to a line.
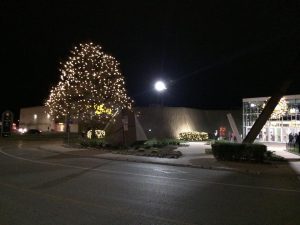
x=35, y=116
x=60, y=127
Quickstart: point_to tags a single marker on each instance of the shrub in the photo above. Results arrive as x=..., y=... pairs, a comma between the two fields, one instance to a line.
x=94, y=143
x=256, y=152
x=193, y=136
x=239, y=151
x=272, y=157
x=161, y=142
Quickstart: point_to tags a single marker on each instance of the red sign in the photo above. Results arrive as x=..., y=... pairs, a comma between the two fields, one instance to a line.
x=222, y=131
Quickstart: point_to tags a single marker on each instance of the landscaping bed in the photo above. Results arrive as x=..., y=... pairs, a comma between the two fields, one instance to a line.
x=164, y=152
x=165, y=148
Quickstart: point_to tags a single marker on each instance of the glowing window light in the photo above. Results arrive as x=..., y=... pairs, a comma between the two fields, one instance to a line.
x=35, y=116
x=293, y=110
x=61, y=127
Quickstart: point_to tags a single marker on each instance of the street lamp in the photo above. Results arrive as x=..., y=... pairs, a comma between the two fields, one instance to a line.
x=160, y=87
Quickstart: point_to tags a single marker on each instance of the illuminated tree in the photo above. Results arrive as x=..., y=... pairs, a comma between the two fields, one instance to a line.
x=280, y=110
x=91, y=87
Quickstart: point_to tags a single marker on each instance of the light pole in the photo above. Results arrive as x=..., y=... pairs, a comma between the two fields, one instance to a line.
x=160, y=87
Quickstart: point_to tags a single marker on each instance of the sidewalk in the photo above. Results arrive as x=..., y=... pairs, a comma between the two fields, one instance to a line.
x=194, y=156
x=280, y=150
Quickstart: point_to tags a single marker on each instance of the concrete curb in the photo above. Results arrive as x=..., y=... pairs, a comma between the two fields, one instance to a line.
x=218, y=168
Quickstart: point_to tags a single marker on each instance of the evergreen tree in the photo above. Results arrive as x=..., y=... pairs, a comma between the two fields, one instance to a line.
x=91, y=87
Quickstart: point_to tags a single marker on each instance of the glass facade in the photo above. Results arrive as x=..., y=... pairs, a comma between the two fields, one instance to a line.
x=284, y=121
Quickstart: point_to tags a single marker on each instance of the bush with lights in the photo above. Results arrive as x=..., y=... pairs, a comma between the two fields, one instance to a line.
x=193, y=136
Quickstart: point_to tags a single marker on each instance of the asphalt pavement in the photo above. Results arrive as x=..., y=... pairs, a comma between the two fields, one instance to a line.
x=54, y=184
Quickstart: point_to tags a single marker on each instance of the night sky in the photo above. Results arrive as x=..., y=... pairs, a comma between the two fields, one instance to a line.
x=211, y=53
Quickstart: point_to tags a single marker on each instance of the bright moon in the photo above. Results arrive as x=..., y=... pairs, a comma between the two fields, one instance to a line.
x=160, y=86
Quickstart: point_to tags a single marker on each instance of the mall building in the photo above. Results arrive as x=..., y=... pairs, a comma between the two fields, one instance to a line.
x=284, y=120
x=156, y=121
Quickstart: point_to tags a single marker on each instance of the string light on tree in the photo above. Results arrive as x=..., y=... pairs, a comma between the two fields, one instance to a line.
x=89, y=78
x=280, y=110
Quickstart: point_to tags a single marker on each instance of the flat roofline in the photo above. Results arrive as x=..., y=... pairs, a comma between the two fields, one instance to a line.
x=265, y=98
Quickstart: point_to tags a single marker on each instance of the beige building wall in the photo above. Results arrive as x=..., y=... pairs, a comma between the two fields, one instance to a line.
x=157, y=121
x=37, y=118
x=160, y=122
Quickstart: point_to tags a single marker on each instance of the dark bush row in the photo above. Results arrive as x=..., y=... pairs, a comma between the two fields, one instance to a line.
x=94, y=143
x=101, y=143
x=238, y=151
x=156, y=143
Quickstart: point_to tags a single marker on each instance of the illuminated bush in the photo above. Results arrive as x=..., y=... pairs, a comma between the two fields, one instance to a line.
x=193, y=136
x=99, y=134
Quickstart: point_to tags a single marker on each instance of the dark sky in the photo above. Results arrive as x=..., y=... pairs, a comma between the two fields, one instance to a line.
x=211, y=53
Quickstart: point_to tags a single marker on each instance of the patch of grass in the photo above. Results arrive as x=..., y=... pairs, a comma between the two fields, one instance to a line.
x=293, y=149
x=270, y=156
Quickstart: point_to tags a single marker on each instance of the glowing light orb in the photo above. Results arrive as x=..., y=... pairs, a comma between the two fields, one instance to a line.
x=160, y=86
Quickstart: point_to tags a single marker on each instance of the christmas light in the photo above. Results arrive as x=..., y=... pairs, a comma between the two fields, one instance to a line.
x=99, y=134
x=280, y=110
x=193, y=136
x=91, y=86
